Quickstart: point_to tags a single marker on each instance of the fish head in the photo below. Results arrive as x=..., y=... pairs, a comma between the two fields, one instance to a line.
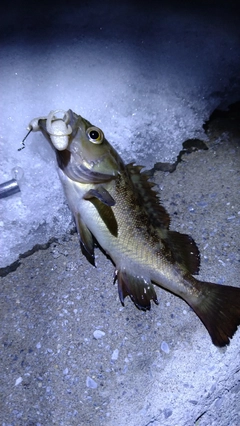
x=83, y=153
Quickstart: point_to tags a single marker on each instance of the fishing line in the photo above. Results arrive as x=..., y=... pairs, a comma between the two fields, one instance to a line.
x=23, y=141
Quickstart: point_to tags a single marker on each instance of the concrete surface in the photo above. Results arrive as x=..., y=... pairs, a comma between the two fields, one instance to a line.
x=71, y=355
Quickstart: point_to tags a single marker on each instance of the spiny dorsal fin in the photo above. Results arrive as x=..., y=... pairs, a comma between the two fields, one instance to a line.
x=148, y=197
x=140, y=291
x=181, y=248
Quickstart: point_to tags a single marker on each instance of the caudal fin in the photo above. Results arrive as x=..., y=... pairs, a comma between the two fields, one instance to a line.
x=218, y=308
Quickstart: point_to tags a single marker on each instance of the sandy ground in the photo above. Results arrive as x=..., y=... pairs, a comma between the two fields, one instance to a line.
x=72, y=355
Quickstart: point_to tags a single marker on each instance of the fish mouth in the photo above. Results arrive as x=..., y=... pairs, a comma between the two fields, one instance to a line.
x=77, y=171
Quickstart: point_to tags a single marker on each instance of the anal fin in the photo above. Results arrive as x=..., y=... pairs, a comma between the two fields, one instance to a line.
x=140, y=291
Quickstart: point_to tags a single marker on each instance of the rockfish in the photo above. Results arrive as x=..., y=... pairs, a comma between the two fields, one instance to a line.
x=115, y=204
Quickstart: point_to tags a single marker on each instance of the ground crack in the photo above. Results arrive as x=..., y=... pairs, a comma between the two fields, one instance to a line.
x=11, y=268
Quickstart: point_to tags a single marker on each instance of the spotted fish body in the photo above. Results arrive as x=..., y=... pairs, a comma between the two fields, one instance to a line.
x=116, y=204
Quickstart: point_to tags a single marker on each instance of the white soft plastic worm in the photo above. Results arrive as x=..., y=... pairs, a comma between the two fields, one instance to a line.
x=58, y=128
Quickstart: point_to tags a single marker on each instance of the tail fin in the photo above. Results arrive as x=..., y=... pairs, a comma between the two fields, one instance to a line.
x=218, y=308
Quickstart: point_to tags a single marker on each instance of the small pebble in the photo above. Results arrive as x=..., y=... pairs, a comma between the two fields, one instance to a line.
x=98, y=334
x=18, y=381
x=65, y=372
x=114, y=356
x=165, y=347
x=167, y=412
x=90, y=383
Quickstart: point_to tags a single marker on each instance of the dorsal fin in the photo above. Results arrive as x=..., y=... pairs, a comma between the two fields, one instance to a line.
x=181, y=248
x=148, y=197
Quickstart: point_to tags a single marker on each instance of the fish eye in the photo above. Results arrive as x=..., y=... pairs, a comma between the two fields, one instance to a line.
x=95, y=135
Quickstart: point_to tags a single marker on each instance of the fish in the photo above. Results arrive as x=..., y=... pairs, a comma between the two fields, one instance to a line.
x=116, y=206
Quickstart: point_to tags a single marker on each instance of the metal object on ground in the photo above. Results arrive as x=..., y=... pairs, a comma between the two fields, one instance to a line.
x=11, y=187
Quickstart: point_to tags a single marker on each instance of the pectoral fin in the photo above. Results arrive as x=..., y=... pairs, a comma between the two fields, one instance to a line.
x=86, y=239
x=140, y=291
x=101, y=194
x=107, y=215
